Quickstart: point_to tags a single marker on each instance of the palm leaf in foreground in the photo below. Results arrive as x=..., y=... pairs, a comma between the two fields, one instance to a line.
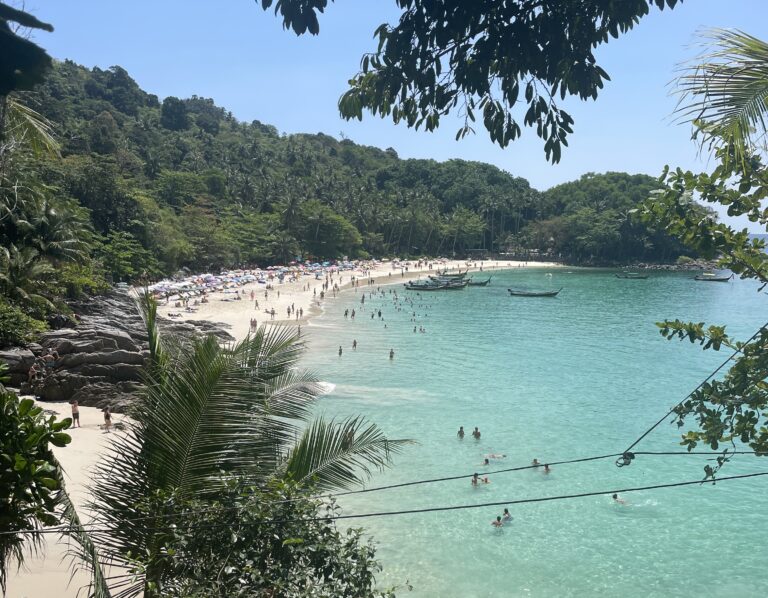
x=338, y=455
x=724, y=91
x=211, y=414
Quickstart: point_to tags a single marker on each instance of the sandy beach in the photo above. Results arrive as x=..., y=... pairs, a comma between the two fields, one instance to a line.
x=304, y=294
x=47, y=573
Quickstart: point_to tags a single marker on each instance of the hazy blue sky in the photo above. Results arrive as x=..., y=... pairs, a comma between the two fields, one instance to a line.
x=235, y=53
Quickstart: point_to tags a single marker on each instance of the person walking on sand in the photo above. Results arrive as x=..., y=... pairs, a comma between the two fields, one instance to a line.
x=75, y=413
x=107, y=419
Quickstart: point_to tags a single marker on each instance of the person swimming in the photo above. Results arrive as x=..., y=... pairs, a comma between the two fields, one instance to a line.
x=535, y=462
x=460, y=433
x=546, y=468
x=486, y=462
x=497, y=522
x=618, y=500
x=506, y=516
x=476, y=433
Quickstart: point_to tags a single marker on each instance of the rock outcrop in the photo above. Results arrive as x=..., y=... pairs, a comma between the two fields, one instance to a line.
x=100, y=362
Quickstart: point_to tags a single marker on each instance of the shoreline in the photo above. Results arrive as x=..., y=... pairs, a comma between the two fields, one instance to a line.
x=48, y=568
x=304, y=294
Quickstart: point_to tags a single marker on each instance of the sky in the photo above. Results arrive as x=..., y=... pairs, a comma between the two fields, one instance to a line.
x=239, y=55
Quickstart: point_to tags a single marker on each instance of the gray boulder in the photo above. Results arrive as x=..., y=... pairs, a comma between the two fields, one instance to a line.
x=19, y=361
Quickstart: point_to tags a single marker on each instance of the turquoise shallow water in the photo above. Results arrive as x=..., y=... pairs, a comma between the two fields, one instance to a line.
x=583, y=374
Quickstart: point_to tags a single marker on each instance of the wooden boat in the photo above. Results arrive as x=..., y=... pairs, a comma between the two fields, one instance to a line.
x=526, y=293
x=712, y=277
x=632, y=276
x=457, y=275
x=436, y=286
x=480, y=283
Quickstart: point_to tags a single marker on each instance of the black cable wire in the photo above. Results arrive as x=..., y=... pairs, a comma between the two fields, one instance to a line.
x=627, y=455
x=424, y=510
x=434, y=480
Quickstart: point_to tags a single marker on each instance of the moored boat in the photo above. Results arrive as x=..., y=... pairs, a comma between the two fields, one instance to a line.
x=632, y=275
x=528, y=293
x=435, y=285
x=712, y=277
x=480, y=283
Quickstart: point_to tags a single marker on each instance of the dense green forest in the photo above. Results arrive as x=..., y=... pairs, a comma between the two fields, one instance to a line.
x=191, y=185
x=115, y=185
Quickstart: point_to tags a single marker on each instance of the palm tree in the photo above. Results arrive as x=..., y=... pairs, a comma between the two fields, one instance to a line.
x=210, y=414
x=58, y=234
x=23, y=274
x=724, y=92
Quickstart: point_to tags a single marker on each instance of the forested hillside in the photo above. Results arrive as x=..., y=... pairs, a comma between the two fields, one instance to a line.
x=189, y=184
x=119, y=186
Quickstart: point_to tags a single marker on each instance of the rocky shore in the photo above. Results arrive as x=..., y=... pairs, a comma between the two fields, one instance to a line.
x=100, y=361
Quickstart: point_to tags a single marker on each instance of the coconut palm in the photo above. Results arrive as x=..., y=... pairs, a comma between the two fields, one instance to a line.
x=23, y=274
x=209, y=414
x=724, y=91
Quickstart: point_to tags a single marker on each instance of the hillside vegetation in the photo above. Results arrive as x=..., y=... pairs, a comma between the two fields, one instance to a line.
x=138, y=188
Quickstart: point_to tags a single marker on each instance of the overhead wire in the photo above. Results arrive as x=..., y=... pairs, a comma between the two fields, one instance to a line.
x=627, y=455
x=91, y=529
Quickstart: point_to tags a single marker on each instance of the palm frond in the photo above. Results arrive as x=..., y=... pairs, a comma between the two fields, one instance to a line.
x=724, y=91
x=339, y=455
x=84, y=551
x=29, y=126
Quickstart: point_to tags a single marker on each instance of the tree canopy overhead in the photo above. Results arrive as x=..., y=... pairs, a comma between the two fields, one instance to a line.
x=505, y=61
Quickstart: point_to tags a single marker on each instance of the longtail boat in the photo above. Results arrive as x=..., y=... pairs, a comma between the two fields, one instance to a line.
x=712, y=277
x=445, y=274
x=526, y=293
x=632, y=275
x=480, y=283
x=436, y=286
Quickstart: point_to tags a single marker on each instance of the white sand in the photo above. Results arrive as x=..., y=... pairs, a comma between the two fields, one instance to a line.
x=48, y=574
x=305, y=294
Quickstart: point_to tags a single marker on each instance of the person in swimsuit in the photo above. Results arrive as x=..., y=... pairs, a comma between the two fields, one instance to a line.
x=107, y=419
x=75, y=413
x=460, y=433
x=506, y=516
x=476, y=433
x=497, y=522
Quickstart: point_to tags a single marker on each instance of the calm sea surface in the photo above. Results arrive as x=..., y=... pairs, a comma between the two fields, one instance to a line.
x=579, y=375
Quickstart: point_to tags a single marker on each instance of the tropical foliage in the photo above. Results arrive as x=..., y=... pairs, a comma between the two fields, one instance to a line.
x=30, y=476
x=482, y=59
x=214, y=417
x=732, y=410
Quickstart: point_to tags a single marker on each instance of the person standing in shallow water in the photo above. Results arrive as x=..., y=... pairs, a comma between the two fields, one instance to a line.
x=391, y=353
x=340, y=350
x=476, y=433
x=354, y=344
x=460, y=433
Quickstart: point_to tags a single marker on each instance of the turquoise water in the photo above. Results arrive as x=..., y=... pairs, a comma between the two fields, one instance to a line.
x=583, y=374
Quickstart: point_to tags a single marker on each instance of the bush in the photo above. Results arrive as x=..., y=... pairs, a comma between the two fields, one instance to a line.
x=16, y=327
x=78, y=280
x=684, y=260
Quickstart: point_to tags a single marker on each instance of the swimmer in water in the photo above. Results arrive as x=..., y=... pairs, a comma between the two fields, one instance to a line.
x=476, y=433
x=460, y=433
x=535, y=462
x=497, y=456
x=475, y=479
x=618, y=500
x=506, y=516
x=546, y=468
x=497, y=522
x=486, y=462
